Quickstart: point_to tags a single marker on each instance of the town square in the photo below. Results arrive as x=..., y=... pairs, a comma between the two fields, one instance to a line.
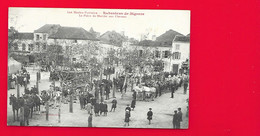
x=68, y=71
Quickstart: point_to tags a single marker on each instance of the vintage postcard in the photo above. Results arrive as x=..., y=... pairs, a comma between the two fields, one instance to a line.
x=118, y=68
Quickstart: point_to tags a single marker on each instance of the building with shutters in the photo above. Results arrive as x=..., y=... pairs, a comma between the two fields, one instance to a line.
x=180, y=53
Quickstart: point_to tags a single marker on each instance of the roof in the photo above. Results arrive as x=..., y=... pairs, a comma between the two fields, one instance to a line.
x=112, y=37
x=76, y=33
x=47, y=28
x=181, y=39
x=25, y=36
x=168, y=36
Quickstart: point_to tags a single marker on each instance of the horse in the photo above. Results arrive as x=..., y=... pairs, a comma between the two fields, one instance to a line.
x=36, y=102
x=16, y=104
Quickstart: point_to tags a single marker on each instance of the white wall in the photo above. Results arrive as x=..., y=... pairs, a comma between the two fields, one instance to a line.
x=40, y=37
x=184, y=49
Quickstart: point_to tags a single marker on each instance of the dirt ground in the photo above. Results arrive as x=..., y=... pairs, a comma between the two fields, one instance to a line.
x=162, y=108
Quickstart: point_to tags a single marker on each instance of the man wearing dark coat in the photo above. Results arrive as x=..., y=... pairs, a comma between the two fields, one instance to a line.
x=160, y=88
x=90, y=120
x=134, y=95
x=129, y=109
x=185, y=86
x=150, y=115
x=107, y=90
x=127, y=117
x=81, y=101
x=121, y=84
x=133, y=104
x=26, y=114
x=26, y=91
x=172, y=87
x=96, y=109
x=102, y=108
x=175, y=119
x=114, y=102
x=179, y=119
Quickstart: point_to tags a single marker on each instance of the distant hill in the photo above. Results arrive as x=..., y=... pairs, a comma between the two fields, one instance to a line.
x=112, y=37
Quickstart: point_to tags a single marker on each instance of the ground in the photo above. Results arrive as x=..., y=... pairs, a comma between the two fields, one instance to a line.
x=162, y=108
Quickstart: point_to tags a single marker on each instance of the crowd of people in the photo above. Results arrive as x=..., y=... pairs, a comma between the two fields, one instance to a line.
x=95, y=95
x=22, y=77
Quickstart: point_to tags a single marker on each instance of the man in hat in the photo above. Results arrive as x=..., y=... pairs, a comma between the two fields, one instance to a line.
x=96, y=109
x=150, y=115
x=107, y=90
x=129, y=109
x=114, y=102
x=127, y=117
x=185, y=84
x=89, y=108
x=179, y=118
x=171, y=87
x=81, y=101
x=175, y=119
x=90, y=120
x=133, y=104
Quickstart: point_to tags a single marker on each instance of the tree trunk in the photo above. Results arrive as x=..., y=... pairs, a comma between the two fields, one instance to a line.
x=59, y=111
x=47, y=110
x=18, y=90
x=71, y=104
x=22, y=123
x=114, y=90
x=37, y=86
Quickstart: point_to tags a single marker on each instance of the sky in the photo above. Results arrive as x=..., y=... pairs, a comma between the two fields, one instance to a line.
x=145, y=22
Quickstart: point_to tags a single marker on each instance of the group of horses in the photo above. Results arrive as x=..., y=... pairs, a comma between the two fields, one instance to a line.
x=29, y=103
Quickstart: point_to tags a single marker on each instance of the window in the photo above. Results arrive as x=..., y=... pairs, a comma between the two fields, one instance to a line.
x=30, y=47
x=176, y=55
x=15, y=46
x=23, y=47
x=140, y=53
x=37, y=37
x=166, y=54
x=38, y=46
x=44, y=36
x=157, y=54
x=44, y=46
x=177, y=47
x=179, y=55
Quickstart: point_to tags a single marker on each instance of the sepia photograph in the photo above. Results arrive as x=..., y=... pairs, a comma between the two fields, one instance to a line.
x=113, y=68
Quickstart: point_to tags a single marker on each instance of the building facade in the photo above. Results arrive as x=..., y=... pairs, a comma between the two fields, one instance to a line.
x=180, y=52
